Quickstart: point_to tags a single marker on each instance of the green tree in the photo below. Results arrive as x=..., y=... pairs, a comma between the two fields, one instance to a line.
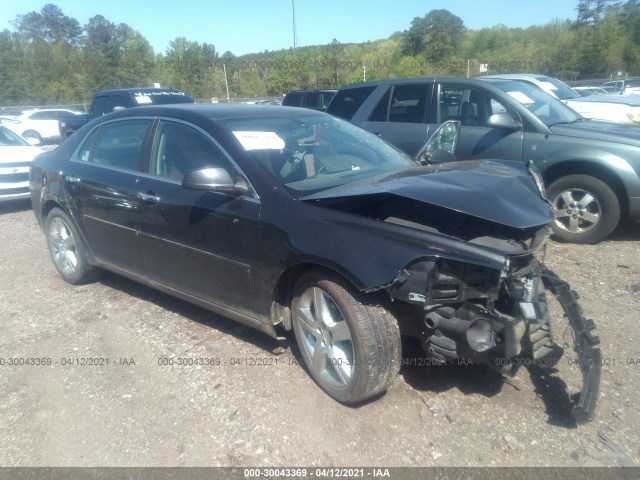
x=50, y=24
x=437, y=35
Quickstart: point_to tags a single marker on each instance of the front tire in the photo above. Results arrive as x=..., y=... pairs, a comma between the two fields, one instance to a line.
x=586, y=209
x=66, y=248
x=351, y=348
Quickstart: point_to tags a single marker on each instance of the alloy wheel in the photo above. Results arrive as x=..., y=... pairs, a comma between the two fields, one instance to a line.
x=327, y=338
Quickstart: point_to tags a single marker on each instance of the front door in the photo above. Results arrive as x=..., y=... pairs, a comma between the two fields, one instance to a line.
x=202, y=243
x=473, y=107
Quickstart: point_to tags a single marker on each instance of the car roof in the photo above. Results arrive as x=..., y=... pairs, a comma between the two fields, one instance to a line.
x=505, y=76
x=33, y=110
x=215, y=112
x=140, y=90
x=402, y=81
x=312, y=91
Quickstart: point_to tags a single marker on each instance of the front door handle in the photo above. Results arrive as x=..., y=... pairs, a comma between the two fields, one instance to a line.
x=148, y=197
x=72, y=179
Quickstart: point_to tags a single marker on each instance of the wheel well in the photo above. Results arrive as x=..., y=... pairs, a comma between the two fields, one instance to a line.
x=283, y=291
x=47, y=207
x=593, y=170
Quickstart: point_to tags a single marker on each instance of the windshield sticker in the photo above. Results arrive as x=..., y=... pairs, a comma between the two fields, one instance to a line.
x=548, y=85
x=259, y=140
x=143, y=99
x=521, y=97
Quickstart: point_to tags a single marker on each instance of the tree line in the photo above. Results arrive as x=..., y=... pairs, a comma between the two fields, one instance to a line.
x=49, y=58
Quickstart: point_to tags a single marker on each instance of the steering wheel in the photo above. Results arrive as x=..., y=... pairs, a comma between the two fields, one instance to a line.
x=294, y=161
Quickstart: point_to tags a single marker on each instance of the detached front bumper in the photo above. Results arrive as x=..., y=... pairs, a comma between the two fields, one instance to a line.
x=584, y=344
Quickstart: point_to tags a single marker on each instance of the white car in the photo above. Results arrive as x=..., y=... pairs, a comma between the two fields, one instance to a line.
x=610, y=107
x=624, y=86
x=40, y=125
x=587, y=91
x=16, y=156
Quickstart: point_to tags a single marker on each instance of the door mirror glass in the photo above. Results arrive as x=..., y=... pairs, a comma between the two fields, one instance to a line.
x=441, y=145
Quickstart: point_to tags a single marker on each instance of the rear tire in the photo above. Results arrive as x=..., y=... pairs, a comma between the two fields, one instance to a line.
x=67, y=250
x=586, y=209
x=32, y=134
x=351, y=348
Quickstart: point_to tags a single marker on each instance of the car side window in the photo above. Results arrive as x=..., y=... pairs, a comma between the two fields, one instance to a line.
x=43, y=116
x=408, y=103
x=346, y=102
x=379, y=114
x=470, y=106
x=116, y=144
x=99, y=105
x=179, y=148
x=312, y=100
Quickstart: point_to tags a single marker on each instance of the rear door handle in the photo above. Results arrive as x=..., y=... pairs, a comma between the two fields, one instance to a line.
x=147, y=197
x=72, y=179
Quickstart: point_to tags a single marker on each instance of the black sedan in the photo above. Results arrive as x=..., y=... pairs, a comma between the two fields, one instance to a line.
x=278, y=216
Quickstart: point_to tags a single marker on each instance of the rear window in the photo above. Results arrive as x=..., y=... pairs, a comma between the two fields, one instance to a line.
x=347, y=102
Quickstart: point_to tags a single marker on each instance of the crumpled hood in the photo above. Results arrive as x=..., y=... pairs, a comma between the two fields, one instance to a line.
x=499, y=191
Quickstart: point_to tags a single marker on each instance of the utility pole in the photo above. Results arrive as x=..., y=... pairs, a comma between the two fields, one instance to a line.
x=295, y=34
x=224, y=67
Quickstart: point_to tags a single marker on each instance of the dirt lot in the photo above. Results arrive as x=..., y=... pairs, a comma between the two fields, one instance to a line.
x=242, y=399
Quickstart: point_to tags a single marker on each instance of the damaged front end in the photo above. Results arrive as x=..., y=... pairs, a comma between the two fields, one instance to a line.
x=470, y=313
x=477, y=291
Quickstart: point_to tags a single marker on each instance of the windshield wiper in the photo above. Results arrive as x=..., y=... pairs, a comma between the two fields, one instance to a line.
x=575, y=120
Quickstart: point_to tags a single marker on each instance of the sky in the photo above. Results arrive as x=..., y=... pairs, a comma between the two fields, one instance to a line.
x=253, y=26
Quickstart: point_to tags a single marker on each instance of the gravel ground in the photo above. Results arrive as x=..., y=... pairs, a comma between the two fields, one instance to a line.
x=243, y=399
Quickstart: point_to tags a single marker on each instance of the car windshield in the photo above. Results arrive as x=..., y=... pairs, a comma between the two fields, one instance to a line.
x=548, y=109
x=10, y=139
x=560, y=89
x=309, y=153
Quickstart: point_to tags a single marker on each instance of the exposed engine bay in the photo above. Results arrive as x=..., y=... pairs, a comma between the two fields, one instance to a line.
x=466, y=309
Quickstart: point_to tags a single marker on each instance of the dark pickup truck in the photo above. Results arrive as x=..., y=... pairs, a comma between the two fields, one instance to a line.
x=108, y=101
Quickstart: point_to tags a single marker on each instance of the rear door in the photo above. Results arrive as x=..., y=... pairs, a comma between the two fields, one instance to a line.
x=101, y=180
x=403, y=116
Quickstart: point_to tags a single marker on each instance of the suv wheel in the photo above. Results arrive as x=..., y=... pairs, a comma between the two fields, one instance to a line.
x=586, y=209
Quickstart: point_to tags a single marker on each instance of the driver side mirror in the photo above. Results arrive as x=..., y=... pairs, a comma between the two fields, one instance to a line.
x=441, y=145
x=503, y=121
x=215, y=180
